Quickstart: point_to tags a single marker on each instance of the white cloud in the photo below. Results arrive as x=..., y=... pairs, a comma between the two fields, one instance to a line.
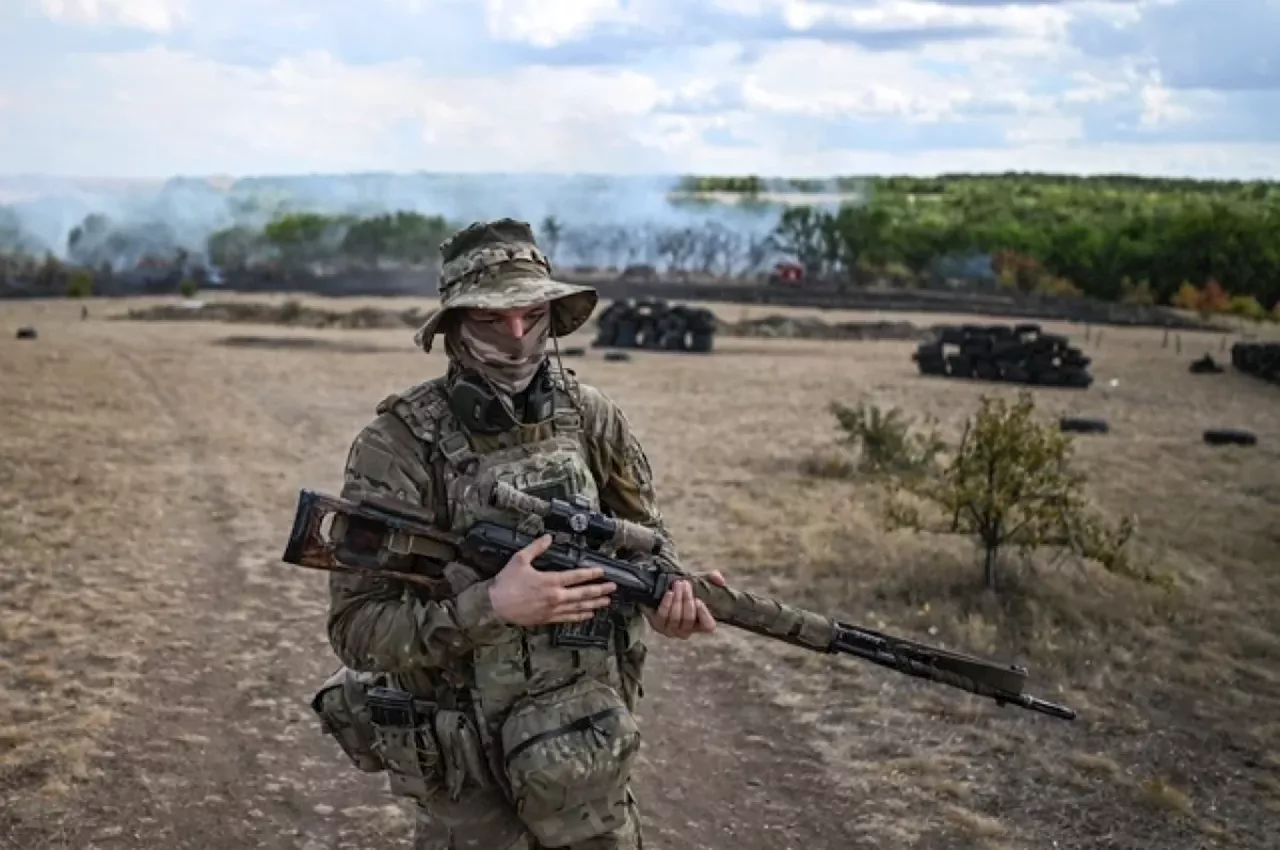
x=242, y=87
x=547, y=23
x=1090, y=88
x=851, y=83
x=160, y=111
x=1037, y=21
x=1046, y=131
x=1160, y=106
x=151, y=15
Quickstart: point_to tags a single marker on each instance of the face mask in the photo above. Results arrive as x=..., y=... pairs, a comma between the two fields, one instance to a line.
x=486, y=348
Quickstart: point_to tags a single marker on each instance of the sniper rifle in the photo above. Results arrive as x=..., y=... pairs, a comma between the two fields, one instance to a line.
x=393, y=538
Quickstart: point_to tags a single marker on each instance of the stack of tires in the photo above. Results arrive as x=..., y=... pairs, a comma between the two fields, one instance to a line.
x=1260, y=359
x=655, y=324
x=1021, y=354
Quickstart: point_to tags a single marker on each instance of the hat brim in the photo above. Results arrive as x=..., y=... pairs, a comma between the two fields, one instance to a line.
x=571, y=305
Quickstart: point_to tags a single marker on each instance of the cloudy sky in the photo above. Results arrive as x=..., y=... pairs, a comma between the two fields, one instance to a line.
x=152, y=88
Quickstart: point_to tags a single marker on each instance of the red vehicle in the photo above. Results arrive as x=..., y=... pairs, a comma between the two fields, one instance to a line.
x=787, y=274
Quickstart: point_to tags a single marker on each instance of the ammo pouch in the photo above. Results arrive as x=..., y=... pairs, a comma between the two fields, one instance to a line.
x=343, y=711
x=428, y=750
x=568, y=756
x=405, y=741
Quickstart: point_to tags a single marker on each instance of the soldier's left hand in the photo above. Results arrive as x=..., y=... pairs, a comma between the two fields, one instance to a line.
x=681, y=615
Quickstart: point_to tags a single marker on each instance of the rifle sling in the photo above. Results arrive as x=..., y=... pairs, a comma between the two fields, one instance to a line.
x=401, y=543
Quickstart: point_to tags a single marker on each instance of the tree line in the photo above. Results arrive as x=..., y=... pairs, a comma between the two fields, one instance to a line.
x=1115, y=238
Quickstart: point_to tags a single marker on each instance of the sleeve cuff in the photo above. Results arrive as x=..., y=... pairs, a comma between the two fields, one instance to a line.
x=475, y=615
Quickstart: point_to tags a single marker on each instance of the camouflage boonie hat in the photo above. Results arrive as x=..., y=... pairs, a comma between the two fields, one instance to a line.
x=496, y=265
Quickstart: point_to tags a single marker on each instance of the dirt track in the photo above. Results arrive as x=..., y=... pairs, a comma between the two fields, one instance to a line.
x=212, y=645
x=218, y=753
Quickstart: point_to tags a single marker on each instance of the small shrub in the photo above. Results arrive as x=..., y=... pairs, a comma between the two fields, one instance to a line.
x=80, y=285
x=1214, y=299
x=885, y=440
x=1058, y=286
x=1247, y=307
x=1187, y=297
x=1137, y=293
x=187, y=288
x=1010, y=483
x=290, y=310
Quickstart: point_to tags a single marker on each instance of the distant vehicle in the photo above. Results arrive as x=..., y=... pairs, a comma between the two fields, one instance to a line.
x=639, y=274
x=787, y=274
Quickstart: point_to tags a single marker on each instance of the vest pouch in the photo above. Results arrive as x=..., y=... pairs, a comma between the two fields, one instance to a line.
x=406, y=743
x=344, y=713
x=631, y=667
x=568, y=755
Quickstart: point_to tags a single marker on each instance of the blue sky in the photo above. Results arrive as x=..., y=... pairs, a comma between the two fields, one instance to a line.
x=153, y=88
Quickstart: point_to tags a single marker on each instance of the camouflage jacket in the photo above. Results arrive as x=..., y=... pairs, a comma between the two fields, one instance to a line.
x=379, y=624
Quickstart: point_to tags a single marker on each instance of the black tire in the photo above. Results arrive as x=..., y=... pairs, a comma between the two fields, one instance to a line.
x=986, y=370
x=1230, y=437
x=1083, y=425
x=932, y=365
x=1041, y=362
x=1078, y=361
x=1076, y=378
x=1014, y=373
x=625, y=335
x=617, y=356
x=1008, y=348
x=701, y=341
x=959, y=366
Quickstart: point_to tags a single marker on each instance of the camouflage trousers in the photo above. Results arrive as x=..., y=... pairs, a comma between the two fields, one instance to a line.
x=484, y=820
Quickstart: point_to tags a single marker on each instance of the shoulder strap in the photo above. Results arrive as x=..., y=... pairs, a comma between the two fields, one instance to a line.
x=567, y=418
x=424, y=410
x=453, y=443
x=419, y=408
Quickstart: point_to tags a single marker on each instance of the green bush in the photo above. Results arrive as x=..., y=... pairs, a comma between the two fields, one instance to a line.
x=1010, y=483
x=1247, y=307
x=80, y=284
x=885, y=440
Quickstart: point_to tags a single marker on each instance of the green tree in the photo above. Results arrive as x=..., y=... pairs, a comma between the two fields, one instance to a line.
x=1010, y=483
x=80, y=284
x=235, y=248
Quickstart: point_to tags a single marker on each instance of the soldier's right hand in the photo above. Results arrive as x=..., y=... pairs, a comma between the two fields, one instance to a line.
x=523, y=596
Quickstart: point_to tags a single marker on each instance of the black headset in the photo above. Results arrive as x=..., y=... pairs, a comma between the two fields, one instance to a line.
x=483, y=408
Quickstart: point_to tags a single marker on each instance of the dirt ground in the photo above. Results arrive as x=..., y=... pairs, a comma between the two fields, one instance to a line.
x=155, y=654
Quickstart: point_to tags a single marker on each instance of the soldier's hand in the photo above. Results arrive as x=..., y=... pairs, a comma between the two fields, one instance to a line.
x=524, y=596
x=680, y=614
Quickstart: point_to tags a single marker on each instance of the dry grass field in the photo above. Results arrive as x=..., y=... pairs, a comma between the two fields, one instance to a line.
x=155, y=655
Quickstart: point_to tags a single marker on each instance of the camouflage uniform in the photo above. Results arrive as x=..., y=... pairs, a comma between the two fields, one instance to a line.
x=455, y=651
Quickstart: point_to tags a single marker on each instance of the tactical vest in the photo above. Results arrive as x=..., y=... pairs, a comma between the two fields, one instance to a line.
x=524, y=661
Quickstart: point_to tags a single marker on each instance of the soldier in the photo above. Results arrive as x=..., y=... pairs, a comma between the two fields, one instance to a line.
x=525, y=735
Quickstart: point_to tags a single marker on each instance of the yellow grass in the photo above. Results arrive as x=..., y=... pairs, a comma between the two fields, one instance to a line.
x=108, y=427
